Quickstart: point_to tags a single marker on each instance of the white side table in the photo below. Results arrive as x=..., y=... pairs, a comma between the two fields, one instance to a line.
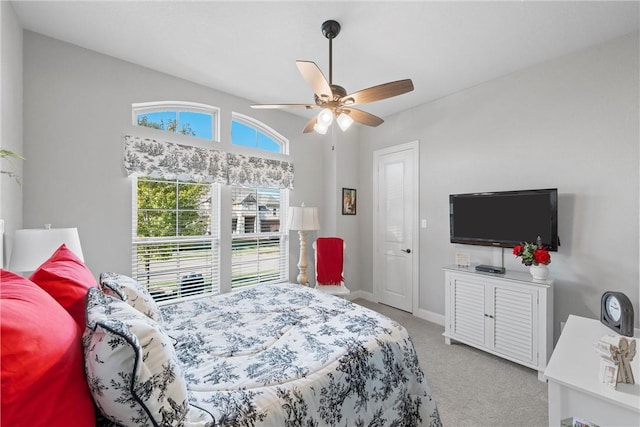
x=575, y=389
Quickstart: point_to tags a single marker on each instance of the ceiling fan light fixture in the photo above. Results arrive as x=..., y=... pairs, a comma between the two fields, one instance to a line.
x=344, y=121
x=320, y=128
x=333, y=100
x=325, y=117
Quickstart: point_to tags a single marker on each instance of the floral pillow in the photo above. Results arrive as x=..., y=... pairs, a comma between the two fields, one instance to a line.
x=132, y=369
x=130, y=291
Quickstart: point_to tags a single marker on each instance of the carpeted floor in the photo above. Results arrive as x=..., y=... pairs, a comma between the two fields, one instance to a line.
x=471, y=387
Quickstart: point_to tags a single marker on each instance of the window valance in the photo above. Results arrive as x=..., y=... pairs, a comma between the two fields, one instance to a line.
x=252, y=171
x=148, y=157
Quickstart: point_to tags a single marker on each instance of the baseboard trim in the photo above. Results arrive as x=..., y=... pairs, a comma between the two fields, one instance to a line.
x=423, y=314
x=430, y=316
x=360, y=294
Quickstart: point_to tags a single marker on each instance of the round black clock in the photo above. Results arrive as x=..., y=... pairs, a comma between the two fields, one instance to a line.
x=616, y=312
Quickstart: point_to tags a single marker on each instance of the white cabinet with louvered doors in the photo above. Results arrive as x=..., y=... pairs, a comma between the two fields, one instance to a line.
x=509, y=315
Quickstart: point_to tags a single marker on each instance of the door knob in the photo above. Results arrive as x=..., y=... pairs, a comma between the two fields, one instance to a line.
x=408, y=251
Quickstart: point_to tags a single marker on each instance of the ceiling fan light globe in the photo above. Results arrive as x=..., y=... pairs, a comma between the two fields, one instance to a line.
x=320, y=128
x=325, y=117
x=344, y=121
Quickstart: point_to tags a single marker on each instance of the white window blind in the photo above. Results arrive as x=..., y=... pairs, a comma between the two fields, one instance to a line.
x=260, y=253
x=175, y=237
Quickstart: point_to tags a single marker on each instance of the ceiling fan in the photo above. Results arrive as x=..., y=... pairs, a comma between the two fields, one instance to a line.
x=333, y=100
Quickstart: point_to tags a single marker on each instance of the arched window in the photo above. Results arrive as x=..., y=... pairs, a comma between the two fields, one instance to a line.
x=252, y=133
x=176, y=235
x=259, y=250
x=187, y=118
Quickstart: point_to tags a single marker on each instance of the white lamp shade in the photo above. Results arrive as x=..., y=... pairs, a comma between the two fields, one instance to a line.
x=320, y=128
x=303, y=218
x=32, y=247
x=325, y=117
x=344, y=121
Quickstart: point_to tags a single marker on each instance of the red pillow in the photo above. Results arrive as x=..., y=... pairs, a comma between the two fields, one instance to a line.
x=67, y=280
x=43, y=381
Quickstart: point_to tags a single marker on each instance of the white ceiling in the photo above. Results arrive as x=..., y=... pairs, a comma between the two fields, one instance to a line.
x=249, y=49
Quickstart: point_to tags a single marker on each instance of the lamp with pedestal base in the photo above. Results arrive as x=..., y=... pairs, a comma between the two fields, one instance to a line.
x=303, y=219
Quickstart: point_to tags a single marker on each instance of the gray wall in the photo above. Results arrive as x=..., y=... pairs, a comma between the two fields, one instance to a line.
x=571, y=123
x=10, y=123
x=78, y=107
x=347, y=226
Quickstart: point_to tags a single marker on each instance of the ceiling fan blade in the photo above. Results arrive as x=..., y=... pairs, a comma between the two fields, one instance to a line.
x=363, y=117
x=314, y=77
x=309, y=127
x=267, y=106
x=376, y=93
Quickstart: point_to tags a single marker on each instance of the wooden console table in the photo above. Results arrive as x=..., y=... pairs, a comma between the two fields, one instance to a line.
x=575, y=389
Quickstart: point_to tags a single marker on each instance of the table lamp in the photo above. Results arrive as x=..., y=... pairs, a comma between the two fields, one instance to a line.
x=303, y=219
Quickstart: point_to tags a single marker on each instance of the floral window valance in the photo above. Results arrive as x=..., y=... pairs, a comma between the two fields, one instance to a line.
x=148, y=157
x=258, y=172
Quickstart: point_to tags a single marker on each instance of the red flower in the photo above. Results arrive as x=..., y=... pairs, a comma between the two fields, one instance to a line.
x=541, y=256
x=517, y=250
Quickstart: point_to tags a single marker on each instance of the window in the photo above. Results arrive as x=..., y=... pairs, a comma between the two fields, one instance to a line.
x=260, y=253
x=175, y=223
x=249, y=132
x=186, y=118
x=175, y=237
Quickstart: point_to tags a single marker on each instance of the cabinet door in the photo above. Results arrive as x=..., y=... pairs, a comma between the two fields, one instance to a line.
x=468, y=320
x=514, y=322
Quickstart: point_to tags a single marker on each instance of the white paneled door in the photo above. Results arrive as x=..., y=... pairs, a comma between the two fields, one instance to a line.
x=395, y=225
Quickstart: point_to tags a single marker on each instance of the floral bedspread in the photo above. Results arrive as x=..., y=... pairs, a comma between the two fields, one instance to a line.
x=287, y=355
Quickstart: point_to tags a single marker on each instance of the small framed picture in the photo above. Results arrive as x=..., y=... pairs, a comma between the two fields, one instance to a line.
x=348, y=201
x=463, y=259
x=608, y=372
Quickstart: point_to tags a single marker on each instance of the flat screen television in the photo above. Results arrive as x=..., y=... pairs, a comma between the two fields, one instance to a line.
x=505, y=218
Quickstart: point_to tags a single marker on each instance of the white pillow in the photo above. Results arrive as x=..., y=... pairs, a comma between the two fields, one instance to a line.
x=132, y=369
x=130, y=291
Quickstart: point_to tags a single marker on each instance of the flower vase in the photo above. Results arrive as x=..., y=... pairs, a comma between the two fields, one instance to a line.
x=539, y=272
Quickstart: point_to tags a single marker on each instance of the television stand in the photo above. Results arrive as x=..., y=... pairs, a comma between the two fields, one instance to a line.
x=490, y=269
x=510, y=316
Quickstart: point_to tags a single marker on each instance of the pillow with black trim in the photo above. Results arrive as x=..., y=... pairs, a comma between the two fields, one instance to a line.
x=130, y=291
x=132, y=369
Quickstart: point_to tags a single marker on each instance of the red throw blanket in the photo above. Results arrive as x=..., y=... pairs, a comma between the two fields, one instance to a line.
x=329, y=256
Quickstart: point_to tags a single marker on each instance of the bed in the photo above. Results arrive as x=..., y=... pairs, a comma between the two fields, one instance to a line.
x=270, y=355
x=286, y=355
